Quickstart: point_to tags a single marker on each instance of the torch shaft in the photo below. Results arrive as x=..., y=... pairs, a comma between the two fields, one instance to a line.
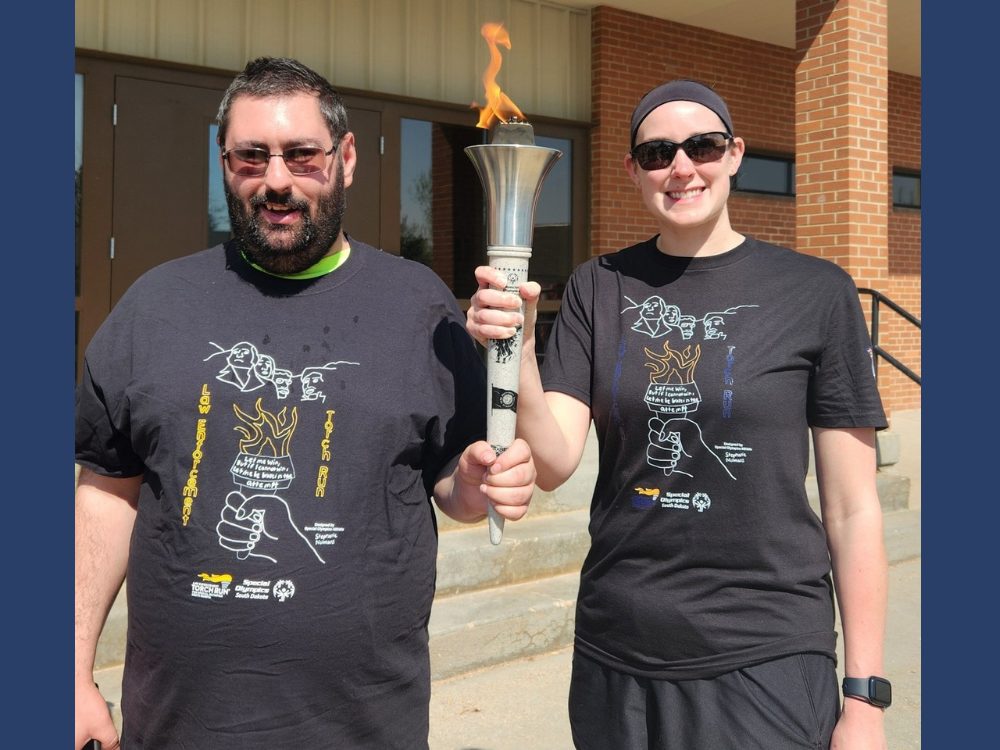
x=512, y=175
x=503, y=367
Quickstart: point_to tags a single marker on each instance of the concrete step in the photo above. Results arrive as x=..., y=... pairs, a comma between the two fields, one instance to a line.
x=535, y=547
x=480, y=628
x=571, y=496
x=893, y=491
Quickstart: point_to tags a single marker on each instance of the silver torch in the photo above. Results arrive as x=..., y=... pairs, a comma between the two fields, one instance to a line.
x=511, y=168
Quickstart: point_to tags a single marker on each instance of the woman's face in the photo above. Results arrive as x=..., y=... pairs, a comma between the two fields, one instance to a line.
x=685, y=195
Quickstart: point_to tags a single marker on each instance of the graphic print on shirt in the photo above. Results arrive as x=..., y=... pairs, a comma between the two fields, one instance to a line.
x=257, y=520
x=248, y=369
x=672, y=395
x=676, y=443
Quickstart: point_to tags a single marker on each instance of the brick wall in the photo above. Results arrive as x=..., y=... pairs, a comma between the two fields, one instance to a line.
x=902, y=340
x=632, y=53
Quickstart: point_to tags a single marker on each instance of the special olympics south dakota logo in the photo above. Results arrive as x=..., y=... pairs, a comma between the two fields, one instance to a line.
x=283, y=590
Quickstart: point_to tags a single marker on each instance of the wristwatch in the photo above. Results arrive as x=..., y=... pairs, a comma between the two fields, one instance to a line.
x=874, y=690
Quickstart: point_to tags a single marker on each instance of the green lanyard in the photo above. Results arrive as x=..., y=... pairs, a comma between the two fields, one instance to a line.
x=323, y=266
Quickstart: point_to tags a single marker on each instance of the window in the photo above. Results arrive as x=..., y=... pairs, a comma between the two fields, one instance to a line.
x=905, y=189
x=218, y=213
x=552, y=244
x=441, y=201
x=79, y=169
x=79, y=194
x=442, y=216
x=774, y=175
x=418, y=193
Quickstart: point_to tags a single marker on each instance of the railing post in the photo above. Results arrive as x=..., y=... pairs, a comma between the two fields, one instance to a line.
x=875, y=312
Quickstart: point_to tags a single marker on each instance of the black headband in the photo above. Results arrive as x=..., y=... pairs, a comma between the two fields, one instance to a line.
x=680, y=90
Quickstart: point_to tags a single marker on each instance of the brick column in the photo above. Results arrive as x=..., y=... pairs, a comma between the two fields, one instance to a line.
x=843, y=179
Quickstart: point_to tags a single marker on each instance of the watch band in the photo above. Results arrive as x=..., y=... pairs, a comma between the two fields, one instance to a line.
x=874, y=690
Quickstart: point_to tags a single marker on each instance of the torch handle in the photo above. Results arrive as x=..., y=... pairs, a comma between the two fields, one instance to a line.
x=503, y=370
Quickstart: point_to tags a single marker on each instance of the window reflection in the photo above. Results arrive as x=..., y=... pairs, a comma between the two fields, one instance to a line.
x=766, y=174
x=442, y=218
x=552, y=242
x=906, y=190
x=78, y=170
x=218, y=214
x=415, y=194
x=442, y=214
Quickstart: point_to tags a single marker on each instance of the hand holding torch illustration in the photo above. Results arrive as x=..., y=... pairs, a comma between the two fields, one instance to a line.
x=511, y=168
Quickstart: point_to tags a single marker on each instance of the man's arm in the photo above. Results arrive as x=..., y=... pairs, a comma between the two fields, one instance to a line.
x=105, y=514
x=478, y=477
x=852, y=517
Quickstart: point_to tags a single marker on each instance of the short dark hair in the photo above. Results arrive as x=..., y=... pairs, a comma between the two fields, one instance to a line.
x=282, y=76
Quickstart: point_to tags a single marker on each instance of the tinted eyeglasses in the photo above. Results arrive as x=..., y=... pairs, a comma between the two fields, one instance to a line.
x=701, y=149
x=253, y=162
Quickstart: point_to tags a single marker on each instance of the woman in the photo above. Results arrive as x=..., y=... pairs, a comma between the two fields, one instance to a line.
x=704, y=358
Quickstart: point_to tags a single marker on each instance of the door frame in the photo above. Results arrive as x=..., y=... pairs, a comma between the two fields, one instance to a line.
x=99, y=69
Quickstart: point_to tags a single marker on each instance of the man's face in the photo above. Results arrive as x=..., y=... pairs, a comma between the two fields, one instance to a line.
x=285, y=223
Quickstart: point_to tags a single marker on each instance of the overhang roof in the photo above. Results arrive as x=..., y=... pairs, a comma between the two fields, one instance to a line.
x=773, y=21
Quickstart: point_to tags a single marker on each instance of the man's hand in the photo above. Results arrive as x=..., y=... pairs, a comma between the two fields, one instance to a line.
x=506, y=481
x=93, y=720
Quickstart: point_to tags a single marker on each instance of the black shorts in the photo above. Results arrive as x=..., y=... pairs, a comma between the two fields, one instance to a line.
x=786, y=704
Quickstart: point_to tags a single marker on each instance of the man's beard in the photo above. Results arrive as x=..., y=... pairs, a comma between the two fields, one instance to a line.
x=305, y=244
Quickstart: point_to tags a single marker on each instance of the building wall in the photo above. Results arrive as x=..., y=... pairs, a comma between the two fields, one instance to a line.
x=426, y=49
x=631, y=54
x=564, y=62
x=902, y=339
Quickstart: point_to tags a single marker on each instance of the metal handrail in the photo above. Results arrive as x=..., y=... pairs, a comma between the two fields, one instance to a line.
x=877, y=298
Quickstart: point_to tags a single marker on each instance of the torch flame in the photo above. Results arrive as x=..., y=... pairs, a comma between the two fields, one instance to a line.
x=498, y=105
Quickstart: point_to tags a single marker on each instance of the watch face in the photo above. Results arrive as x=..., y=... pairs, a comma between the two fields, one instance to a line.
x=880, y=691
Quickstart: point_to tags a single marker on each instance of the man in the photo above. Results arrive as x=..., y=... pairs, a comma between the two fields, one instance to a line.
x=280, y=549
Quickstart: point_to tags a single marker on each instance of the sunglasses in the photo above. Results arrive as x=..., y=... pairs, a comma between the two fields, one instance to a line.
x=253, y=162
x=701, y=149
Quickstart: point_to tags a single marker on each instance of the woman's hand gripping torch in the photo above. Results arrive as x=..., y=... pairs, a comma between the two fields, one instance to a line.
x=511, y=168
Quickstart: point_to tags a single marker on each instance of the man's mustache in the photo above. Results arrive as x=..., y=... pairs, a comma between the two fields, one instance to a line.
x=278, y=199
